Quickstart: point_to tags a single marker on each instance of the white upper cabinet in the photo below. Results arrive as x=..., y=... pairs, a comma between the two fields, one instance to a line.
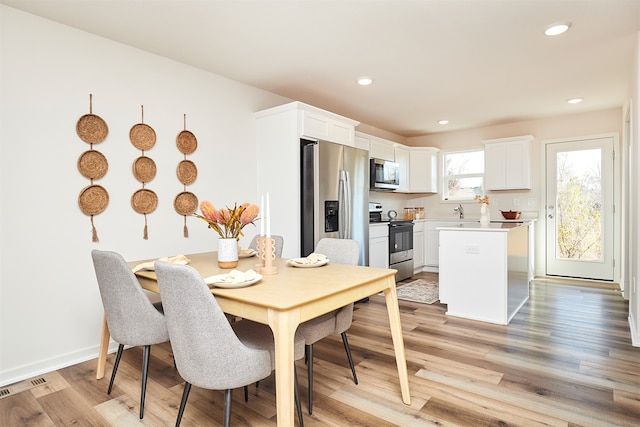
x=401, y=154
x=326, y=127
x=311, y=122
x=507, y=163
x=362, y=141
x=382, y=149
x=423, y=170
x=418, y=165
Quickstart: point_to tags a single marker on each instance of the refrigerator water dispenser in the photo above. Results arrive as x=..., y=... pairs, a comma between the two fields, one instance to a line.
x=330, y=216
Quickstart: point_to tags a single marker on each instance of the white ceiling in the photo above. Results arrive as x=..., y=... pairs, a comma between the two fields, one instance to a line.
x=474, y=62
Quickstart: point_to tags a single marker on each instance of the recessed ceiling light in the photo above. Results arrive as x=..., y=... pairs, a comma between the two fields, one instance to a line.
x=557, y=28
x=443, y=122
x=365, y=81
x=574, y=100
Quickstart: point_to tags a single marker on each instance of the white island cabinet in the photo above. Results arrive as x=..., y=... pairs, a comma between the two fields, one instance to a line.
x=484, y=271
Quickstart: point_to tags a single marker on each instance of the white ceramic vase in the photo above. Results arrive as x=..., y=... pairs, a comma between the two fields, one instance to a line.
x=227, y=253
x=484, y=215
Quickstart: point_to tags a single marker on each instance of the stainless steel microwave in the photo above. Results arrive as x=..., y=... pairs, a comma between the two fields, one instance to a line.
x=385, y=175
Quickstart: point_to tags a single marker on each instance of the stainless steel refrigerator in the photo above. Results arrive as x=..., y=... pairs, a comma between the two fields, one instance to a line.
x=334, y=195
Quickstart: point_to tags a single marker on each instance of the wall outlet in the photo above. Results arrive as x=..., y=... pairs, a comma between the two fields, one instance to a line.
x=472, y=249
x=531, y=201
x=516, y=202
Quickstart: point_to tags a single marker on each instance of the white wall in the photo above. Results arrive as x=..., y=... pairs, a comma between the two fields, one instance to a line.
x=50, y=309
x=634, y=202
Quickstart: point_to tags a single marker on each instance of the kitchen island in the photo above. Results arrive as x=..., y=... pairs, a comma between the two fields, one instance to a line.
x=485, y=270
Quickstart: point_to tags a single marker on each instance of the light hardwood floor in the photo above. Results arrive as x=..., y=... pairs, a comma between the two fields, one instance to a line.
x=565, y=360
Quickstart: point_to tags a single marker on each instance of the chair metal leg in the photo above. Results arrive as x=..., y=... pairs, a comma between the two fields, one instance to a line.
x=183, y=402
x=348, y=350
x=227, y=408
x=309, y=352
x=246, y=393
x=296, y=395
x=145, y=371
x=115, y=367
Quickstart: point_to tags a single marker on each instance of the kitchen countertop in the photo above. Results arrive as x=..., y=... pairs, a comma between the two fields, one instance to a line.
x=499, y=220
x=493, y=226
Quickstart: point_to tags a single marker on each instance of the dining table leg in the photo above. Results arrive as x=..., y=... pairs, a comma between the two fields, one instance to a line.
x=391, y=299
x=284, y=325
x=104, y=348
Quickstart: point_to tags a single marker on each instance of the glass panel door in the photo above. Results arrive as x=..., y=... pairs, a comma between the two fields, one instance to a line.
x=579, y=209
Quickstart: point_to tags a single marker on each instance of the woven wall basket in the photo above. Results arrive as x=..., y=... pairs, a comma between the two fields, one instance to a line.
x=186, y=142
x=93, y=199
x=91, y=129
x=185, y=203
x=93, y=164
x=142, y=136
x=144, y=201
x=187, y=172
x=144, y=169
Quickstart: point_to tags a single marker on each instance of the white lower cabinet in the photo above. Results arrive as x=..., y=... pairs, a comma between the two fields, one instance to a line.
x=418, y=246
x=379, y=245
x=432, y=244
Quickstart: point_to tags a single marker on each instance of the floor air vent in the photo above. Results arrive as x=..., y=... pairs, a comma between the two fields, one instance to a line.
x=22, y=386
x=38, y=381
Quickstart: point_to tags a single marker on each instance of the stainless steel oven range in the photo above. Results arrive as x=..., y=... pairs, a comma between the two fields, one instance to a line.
x=401, y=248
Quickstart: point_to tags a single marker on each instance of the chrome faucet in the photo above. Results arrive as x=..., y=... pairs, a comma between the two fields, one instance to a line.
x=460, y=210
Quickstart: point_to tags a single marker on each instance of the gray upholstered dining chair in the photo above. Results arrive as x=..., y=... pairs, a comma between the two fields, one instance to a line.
x=131, y=317
x=209, y=351
x=338, y=251
x=279, y=241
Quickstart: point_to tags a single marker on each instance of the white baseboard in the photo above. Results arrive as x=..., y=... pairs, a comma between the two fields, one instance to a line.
x=635, y=338
x=34, y=369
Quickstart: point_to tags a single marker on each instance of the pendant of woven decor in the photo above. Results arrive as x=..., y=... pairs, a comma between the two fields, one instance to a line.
x=92, y=164
x=90, y=127
x=93, y=199
x=143, y=201
x=141, y=135
x=186, y=203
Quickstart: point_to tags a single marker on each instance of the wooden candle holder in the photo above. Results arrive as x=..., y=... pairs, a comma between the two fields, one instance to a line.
x=266, y=255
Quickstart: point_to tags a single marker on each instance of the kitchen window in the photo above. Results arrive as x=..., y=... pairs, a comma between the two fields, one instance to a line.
x=463, y=174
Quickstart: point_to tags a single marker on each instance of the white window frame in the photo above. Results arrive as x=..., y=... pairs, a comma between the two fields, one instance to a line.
x=444, y=178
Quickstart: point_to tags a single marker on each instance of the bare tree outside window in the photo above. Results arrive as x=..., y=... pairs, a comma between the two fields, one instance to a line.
x=463, y=174
x=579, y=205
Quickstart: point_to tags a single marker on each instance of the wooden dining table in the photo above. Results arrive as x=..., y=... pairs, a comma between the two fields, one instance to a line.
x=283, y=301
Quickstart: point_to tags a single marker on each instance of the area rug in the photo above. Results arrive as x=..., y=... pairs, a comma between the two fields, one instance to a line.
x=419, y=291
